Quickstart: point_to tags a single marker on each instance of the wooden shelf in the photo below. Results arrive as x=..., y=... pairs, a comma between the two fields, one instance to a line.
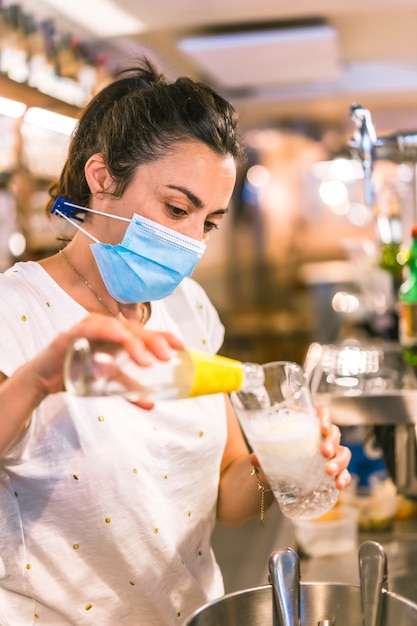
x=34, y=98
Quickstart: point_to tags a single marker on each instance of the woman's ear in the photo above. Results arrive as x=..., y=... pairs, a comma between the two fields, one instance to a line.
x=97, y=175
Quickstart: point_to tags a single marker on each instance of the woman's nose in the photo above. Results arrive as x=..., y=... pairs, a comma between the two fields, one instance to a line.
x=195, y=230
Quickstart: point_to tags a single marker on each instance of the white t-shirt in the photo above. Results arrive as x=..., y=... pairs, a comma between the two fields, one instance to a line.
x=107, y=510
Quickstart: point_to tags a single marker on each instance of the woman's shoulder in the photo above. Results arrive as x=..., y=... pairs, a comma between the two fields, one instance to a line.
x=23, y=272
x=29, y=293
x=25, y=280
x=18, y=278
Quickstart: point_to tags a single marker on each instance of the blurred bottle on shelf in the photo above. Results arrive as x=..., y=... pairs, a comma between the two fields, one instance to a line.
x=391, y=256
x=390, y=233
x=87, y=74
x=36, y=52
x=39, y=66
x=3, y=32
x=67, y=60
x=15, y=60
x=6, y=38
x=407, y=295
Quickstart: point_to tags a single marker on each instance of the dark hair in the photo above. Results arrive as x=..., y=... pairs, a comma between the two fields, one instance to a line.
x=138, y=119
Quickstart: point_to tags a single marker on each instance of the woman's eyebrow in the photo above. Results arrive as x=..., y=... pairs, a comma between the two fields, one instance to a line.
x=219, y=212
x=198, y=203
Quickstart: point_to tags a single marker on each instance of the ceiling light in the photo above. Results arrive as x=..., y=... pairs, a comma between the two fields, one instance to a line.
x=50, y=120
x=104, y=18
x=11, y=108
x=271, y=57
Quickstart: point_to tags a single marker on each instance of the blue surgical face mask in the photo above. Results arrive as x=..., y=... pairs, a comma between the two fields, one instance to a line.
x=147, y=265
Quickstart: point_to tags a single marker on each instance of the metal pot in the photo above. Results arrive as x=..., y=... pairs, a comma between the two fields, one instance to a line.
x=287, y=602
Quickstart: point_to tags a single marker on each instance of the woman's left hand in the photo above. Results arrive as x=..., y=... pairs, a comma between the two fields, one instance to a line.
x=339, y=456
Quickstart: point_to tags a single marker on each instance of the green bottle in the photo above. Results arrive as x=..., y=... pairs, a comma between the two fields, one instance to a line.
x=408, y=306
x=389, y=230
x=391, y=254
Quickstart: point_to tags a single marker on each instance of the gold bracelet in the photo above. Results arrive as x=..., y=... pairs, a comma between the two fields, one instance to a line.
x=263, y=490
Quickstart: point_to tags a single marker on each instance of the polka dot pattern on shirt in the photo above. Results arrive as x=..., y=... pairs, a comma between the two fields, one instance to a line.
x=77, y=475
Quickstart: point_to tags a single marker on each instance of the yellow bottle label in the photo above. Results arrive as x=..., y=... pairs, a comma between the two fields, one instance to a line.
x=215, y=374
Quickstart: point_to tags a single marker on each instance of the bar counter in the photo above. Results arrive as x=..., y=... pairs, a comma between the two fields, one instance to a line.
x=243, y=555
x=400, y=545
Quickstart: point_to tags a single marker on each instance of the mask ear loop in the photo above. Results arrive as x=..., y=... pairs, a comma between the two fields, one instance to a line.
x=65, y=208
x=77, y=226
x=68, y=210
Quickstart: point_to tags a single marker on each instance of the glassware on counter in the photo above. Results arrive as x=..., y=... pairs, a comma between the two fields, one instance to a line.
x=283, y=429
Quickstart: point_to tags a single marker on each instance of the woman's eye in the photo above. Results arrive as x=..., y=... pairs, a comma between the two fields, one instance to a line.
x=175, y=211
x=208, y=226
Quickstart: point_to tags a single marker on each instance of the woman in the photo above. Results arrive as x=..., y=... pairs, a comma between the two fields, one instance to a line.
x=107, y=508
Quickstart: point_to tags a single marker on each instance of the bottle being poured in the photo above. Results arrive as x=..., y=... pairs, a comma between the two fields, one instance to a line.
x=105, y=369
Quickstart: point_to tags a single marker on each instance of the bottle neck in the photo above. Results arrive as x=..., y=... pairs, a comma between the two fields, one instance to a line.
x=253, y=377
x=412, y=260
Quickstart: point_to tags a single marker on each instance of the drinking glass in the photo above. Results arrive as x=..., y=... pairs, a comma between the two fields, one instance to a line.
x=283, y=430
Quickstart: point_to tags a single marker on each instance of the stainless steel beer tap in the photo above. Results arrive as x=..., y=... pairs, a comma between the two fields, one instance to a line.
x=364, y=141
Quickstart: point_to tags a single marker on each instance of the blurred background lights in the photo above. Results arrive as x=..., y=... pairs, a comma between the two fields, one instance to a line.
x=258, y=176
x=405, y=172
x=348, y=170
x=341, y=209
x=402, y=256
x=17, y=244
x=333, y=192
x=343, y=170
x=346, y=381
x=52, y=121
x=12, y=108
x=343, y=302
x=359, y=214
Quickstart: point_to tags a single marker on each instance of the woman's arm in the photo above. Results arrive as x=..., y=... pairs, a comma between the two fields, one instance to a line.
x=32, y=382
x=239, y=497
x=18, y=399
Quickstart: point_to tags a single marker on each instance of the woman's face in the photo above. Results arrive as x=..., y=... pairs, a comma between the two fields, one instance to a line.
x=188, y=190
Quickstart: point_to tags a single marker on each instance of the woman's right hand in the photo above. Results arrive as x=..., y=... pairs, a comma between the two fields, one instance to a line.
x=22, y=392
x=141, y=344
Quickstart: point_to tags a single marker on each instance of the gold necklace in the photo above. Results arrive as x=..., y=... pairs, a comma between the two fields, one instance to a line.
x=143, y=305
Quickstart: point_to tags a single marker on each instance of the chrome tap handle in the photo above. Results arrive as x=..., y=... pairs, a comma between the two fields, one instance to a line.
x=284, y=570
x=364, y=142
